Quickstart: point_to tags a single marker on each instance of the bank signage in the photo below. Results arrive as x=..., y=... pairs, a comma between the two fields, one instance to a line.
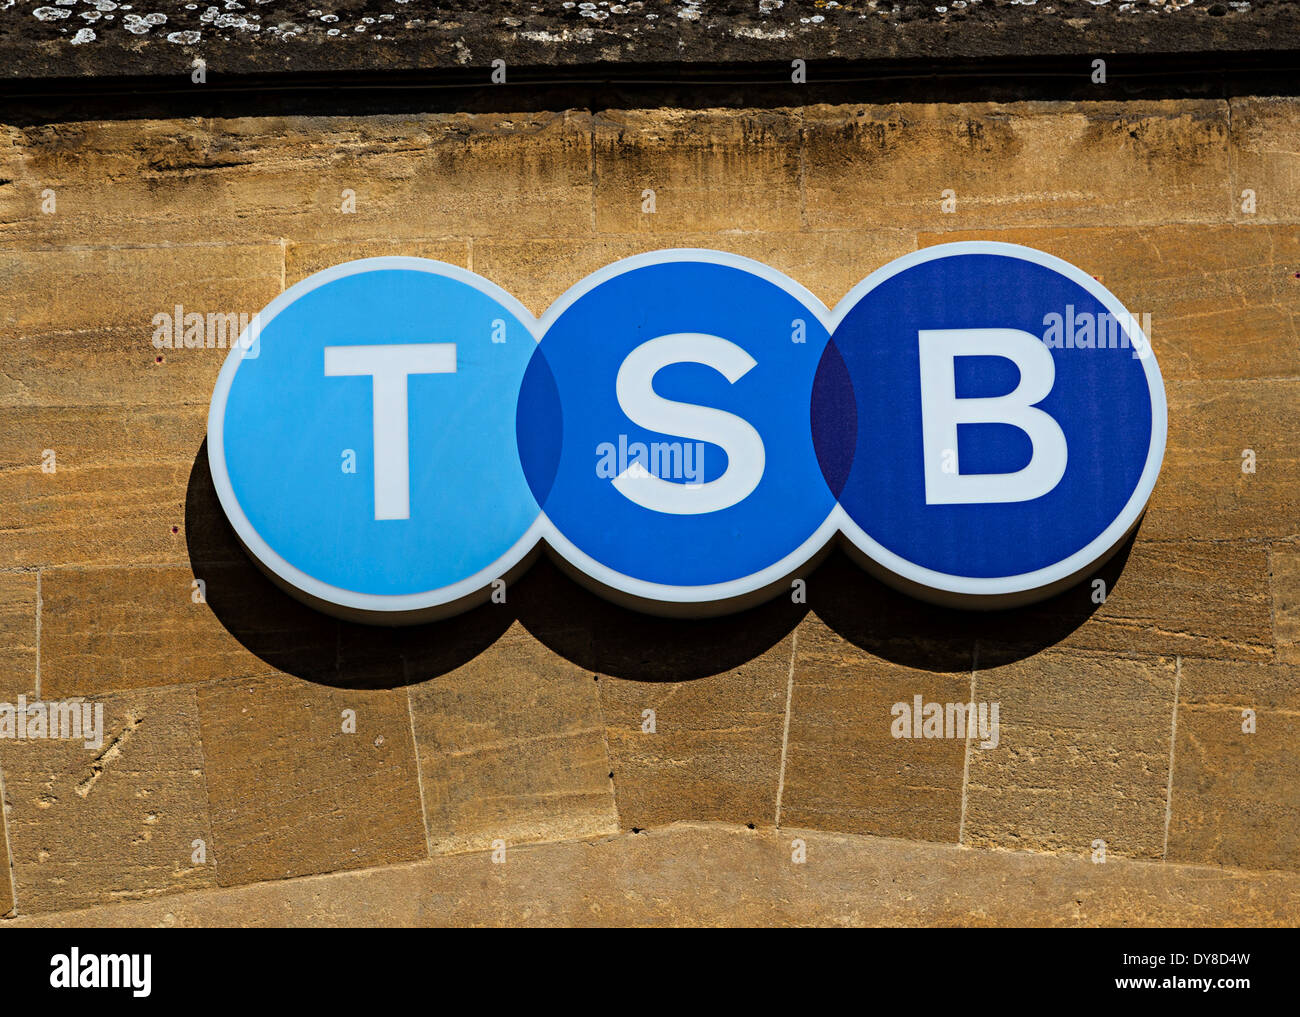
x=980, y=424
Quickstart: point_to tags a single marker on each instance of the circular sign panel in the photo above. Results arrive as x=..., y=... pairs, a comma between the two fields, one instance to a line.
x=992, y=423
x=366, y=455
x=664, y=430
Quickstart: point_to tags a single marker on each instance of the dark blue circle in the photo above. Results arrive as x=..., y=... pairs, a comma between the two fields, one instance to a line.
x=872, y=456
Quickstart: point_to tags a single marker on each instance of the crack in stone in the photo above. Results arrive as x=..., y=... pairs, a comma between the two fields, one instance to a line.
x=110, y=752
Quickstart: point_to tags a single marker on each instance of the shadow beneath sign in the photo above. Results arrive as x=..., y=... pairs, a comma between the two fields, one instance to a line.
x=907, y=631
x=599, y=636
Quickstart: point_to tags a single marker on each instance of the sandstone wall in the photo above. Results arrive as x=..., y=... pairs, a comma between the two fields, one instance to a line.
x=521, y=722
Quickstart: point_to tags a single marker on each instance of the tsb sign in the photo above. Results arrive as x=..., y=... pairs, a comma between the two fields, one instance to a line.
x=687, y=430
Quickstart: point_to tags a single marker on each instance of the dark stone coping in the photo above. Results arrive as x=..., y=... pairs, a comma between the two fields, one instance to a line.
x=141, y=39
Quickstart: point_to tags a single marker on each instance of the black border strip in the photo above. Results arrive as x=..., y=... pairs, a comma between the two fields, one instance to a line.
x=611, y=86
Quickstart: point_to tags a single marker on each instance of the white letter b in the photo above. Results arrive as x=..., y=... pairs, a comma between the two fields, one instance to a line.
x=942, y=411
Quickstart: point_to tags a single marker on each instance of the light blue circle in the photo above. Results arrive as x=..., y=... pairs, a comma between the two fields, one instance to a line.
x=288, y=430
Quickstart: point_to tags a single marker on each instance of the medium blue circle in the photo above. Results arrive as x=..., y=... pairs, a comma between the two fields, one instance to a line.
x=868, y=425
x=287, y=428
x=568, y=409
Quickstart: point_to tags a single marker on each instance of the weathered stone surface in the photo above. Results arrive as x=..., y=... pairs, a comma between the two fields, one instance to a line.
x=1265, y=139
x=716, y=750
x=1222, y=300
x=77, y=327
x=117, y=495
x=1235, y=799
x=710, y=170
x=92, y=826
x=844, y=768
x=51, y=370
x=1162, y=598
x=18, y=651
x=292, y=793
x=1285, y=563
x=829, y=264
x=1234, y=793
x=538, y=271
x=1205, y=491
x=58, y=291
x=1083, y=755
x=302, y=259
x=1202, y=599
x=511, y=748
x=109, y=629
x=256, y=180
x=1016, y=164
x=1222, y=683
x=376, y=656
x=691, y=875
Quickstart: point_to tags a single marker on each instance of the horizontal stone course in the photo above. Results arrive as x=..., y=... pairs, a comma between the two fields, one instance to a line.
x=115, y=492
x=142, y=626
x=1017, y=164
x=1265, y=139
x=1211, y=487
x=257, y=180
x=714, y=875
